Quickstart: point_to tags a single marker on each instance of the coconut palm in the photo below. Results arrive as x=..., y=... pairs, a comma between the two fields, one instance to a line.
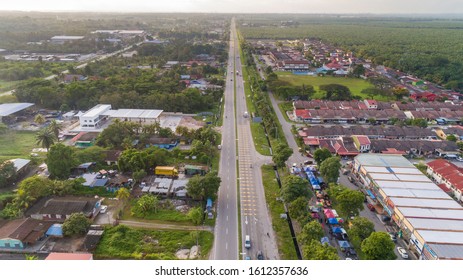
x=45, y=138
x=55, y=127
x=123, y=194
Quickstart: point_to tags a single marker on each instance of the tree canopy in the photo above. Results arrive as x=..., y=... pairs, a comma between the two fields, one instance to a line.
x=329, y=169
x=294, y=187
x=76, y=224
x=316, y=251
x=320, y=155
x=60, y=160
x=378, y=246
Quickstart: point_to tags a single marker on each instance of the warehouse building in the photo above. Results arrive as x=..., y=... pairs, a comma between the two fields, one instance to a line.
x=430, y=220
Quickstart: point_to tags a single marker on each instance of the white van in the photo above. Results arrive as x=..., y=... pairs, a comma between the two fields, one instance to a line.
x=247, y=242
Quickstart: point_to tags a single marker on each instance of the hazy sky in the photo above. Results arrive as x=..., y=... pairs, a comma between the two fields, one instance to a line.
x=240, y=6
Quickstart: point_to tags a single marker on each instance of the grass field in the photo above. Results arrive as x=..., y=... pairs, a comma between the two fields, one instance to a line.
x=16, y=144
x=6, y=86
x=160, y=215
x=122, y=242
x=355, y=85
x=284, y=240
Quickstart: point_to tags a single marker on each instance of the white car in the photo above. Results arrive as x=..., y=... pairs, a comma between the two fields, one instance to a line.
x=402, y=252
x=103, y=209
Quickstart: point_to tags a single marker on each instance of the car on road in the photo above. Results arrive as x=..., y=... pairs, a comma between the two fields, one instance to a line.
x=260, y=255
x=459, y=158
x=402, y=252
x=247, y=258
x=103, y=209
x=371, y=207
x=247, y=242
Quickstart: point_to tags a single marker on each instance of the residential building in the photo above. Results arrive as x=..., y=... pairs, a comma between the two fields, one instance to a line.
x=17, y=234
x=362, y=143
x=60, y=208
x=444, y=172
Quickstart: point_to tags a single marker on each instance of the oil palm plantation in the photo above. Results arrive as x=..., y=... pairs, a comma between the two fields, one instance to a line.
x=45, y=138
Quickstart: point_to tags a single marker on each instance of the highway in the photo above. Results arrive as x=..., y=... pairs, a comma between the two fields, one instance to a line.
x=226, y=227
x=255, y=220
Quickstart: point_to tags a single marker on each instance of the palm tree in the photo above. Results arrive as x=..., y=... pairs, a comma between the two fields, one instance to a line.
x=55, y=127
x=39, y=118
x=123, y=194
x=31, y=257
x=45, y=138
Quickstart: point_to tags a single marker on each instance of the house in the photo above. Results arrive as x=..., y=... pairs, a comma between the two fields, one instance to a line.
x=453, y=130
x=296, y=65
x=423, y=95
x=112, y=156
x=362, y=143
x=69, y=257
x=21, y=166
x=371, y=104
x=444, y=172
x=17, y=234
x=84, y=139
x=60, y=208
x=73, y=78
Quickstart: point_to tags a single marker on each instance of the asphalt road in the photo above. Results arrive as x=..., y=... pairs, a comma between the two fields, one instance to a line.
x=226, y=227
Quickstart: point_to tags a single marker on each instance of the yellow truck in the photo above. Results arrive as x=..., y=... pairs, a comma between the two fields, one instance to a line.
x=168, y=171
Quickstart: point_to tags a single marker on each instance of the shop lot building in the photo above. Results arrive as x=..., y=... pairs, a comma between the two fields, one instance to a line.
x=430, y=220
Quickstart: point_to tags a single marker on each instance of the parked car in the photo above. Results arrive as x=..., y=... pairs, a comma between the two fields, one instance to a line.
x=385, y=219
x=260, y=255
x=402, y=252
x=103, y=209
x=459, y=158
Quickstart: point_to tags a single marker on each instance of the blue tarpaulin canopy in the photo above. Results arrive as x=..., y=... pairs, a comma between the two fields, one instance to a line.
x=371, y=194
x=337, y=230
x=333, y=221
x=55, y=230
x=343, y=244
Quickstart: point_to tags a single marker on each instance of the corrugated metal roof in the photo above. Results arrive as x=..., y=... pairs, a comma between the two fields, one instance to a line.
x=445, y=251
x=436, y=224
x=425, y=203
x=11, y=108
x=399, y=192
x=432, y=213
x=441, y=237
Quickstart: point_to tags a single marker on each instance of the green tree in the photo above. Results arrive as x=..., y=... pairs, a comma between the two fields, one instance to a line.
x=358, y=70
x=45, y=138
x=202, y=187
x=320, y=155
x=329, y=169
x=316, y=251
x=380, y=82
x=139, y=175
x=378, y=246
x=336, y=92
x=451, y=137
x=298, y=208
x=311, y=231
x=400, y=92
x=55, y=127
x=7, y=174
x=294, y=187
x=350, y=202
x=91, y=154
x=196, y=215
x=360, y=229
x=123, y=194
x=281, y=154
x=76, y=224
x=60, y=160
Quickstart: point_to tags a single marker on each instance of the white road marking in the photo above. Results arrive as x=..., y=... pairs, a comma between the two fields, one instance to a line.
x=226, y=231
x=227, y=220
x=227, y=206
